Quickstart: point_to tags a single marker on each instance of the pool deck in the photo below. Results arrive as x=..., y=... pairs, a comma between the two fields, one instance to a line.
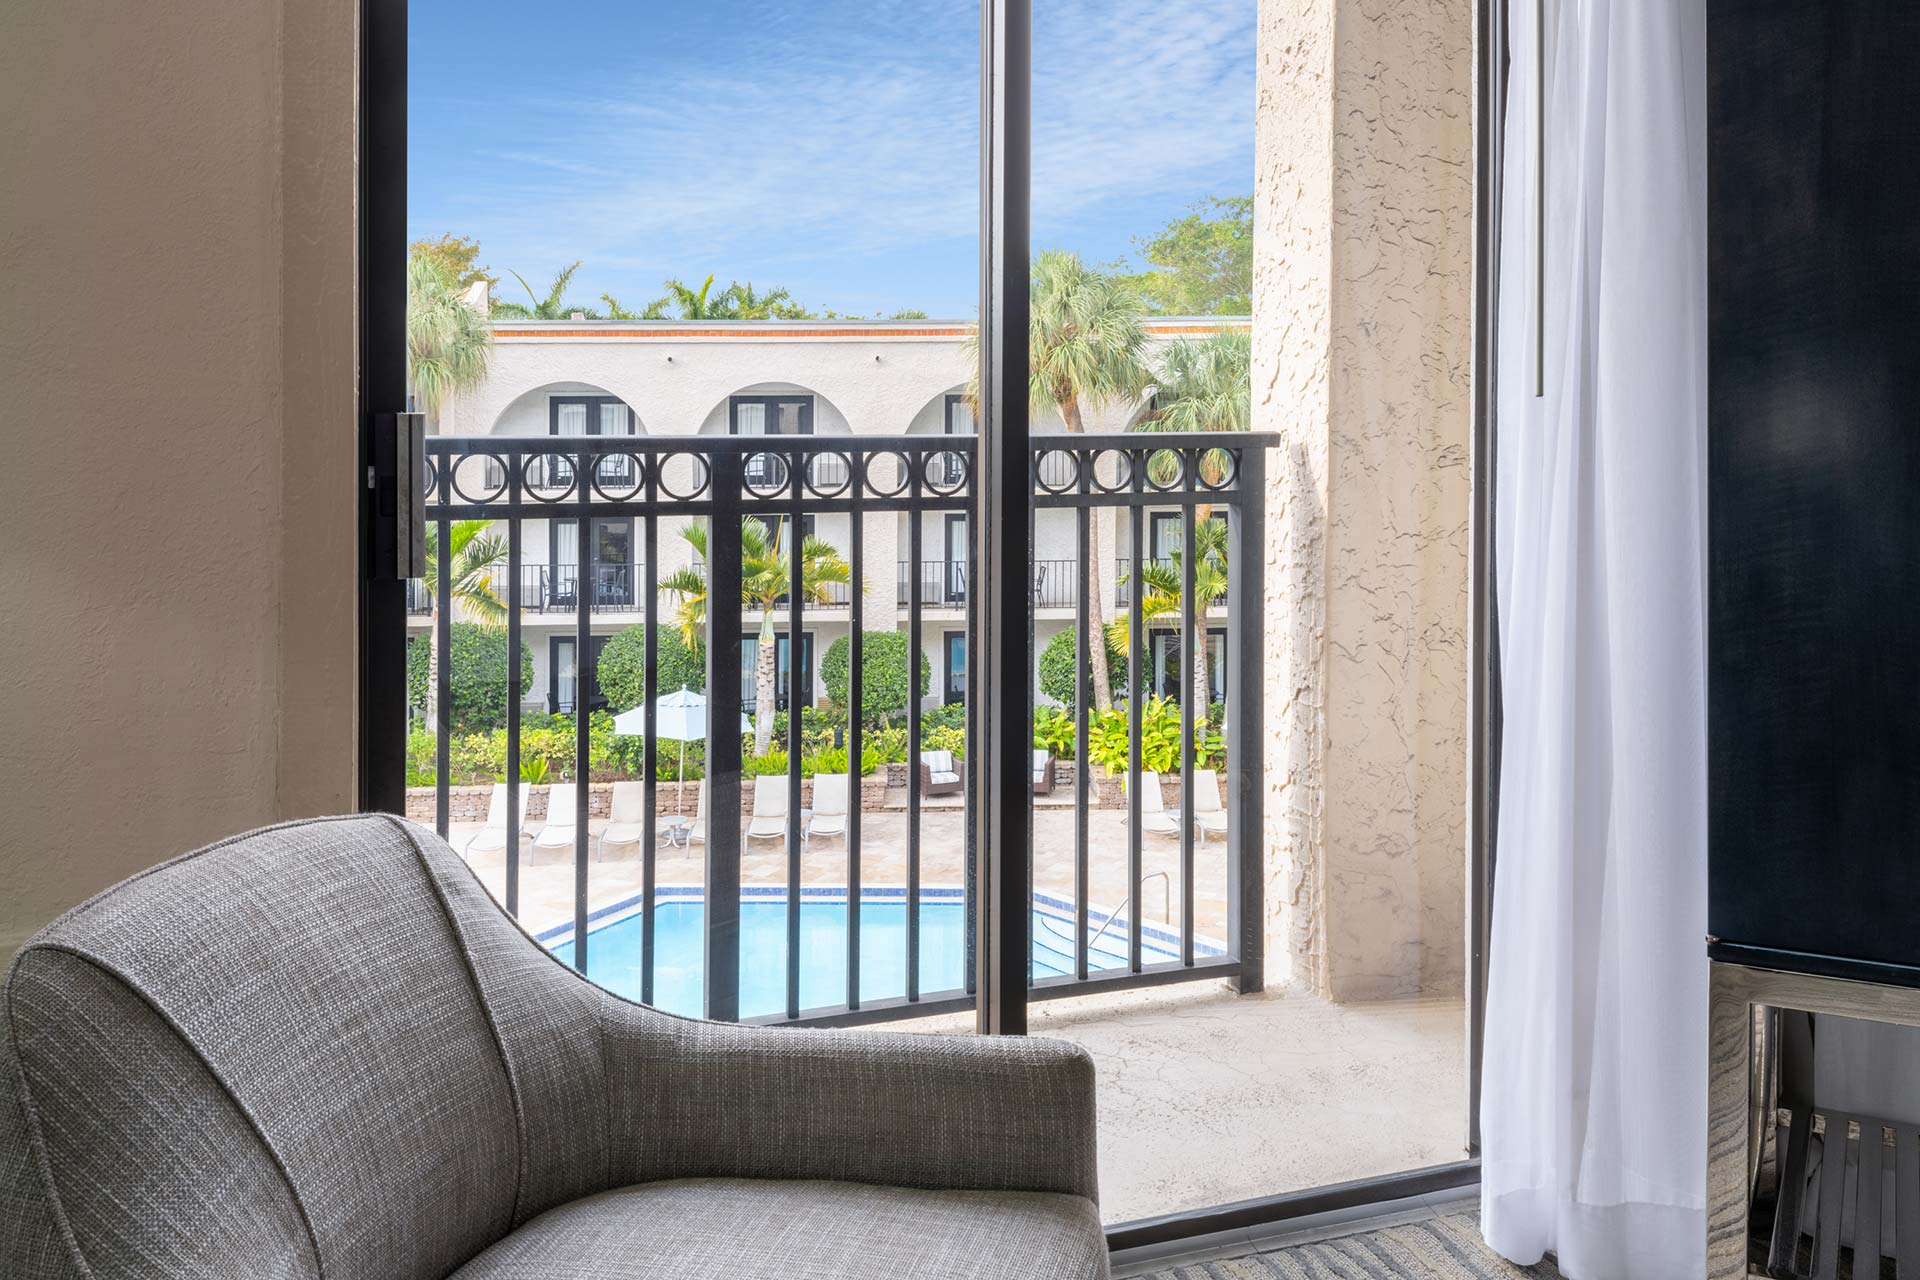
x=1205, y=1096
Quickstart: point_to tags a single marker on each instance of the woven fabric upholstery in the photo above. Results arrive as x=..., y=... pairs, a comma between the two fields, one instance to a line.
x=320, y=1052
x=745, y=1230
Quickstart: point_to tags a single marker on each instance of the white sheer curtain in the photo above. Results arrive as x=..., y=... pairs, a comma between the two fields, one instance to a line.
x=1593, y=1094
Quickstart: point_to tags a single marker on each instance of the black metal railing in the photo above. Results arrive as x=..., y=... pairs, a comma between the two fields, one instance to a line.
x=713, y=479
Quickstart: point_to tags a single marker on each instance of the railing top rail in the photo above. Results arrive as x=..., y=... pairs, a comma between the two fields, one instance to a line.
x=461, y=446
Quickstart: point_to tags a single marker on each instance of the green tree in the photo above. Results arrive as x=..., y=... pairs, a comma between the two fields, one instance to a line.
x=1205, y=384
x=554, y=306
x=1201, y=264
x=1160, y=596
x=623, y=670
x=477, y=557
x=1086, y=346
x=883, y=675
x=457, y=257
x=476, y=675
x=735, y=302
x=765, y=575
x=1060, y=667
x=448, y=342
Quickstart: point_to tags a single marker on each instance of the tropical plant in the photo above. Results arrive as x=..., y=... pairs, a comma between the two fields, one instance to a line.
x=1053, y=731
x=1160, y=595
x=1109, y=739
x=1086, y=346
x=554, y=306
x=475, y=558
x=1205, y=384
x=941, y=737
x=765, y=576
x=883, y=675
x=534, y=769
x=448, y=342
x=688, y=304
x=832, y=760
x=622, y=666
x=1060, y=667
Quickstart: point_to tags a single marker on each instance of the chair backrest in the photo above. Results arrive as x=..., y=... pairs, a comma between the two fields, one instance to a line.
x=562, y=801
x=497, y=805
x=769, y=797
x=1206, y=792
x=1151, y=800
x=629, y=802
x=316, y=1049
x=937, y=761
x=830, y=795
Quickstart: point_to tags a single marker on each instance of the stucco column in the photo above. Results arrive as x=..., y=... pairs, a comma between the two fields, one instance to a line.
x=1361, y=359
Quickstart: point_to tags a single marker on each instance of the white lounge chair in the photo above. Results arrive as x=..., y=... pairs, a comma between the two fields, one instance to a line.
x=1154, y=818
x=492, y=837
x=558, y=833
x=626, y=816
x=830, y=792
x=698, y=831
x=1209, y=815
x=769, y=809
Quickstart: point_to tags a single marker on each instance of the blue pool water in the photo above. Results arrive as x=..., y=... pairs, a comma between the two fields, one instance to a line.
x=613, y=951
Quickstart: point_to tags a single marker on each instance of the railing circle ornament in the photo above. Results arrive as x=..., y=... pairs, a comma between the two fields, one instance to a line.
x=820, y=470
x=905, y=473
x=550, y=477
x=1167, y=469
x=1225, y=463
x=619, y=477
x=765, y=474
x=702, y=476
x=494, y=477
x=1122, y=468
x=945, y=472
x=1074, y=464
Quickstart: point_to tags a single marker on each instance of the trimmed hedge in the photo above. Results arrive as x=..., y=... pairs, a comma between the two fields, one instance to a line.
x=1060, y=668
x=883, y=680
x=623, y=666
x=477, y=678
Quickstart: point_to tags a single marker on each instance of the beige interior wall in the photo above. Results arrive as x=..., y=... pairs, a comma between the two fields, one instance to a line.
x=1362, y=293
x=169, y=547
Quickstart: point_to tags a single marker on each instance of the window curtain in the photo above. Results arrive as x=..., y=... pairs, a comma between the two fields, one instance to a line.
x=1593, y=1088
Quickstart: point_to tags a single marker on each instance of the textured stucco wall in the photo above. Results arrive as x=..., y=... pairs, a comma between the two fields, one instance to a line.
x=1362, y=280
x=157, y=518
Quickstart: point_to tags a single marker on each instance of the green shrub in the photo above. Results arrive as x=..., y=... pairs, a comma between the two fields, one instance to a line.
x=944, y=738
x=889, y=744
x=1108, y=739
x=623, y=666
x=950, y=715
x=1053, y=731
x=1060, y=668
x=817, y=727
x=883, y=677
x=772, y=763
x=833, y=760
x=477, y=676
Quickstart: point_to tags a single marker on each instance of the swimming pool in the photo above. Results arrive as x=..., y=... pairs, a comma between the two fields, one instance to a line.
x=613, y=952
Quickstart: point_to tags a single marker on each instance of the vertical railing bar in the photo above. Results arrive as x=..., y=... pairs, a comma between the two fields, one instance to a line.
x=584, y=675
x=1136, y=521
x=1089, y=653
x=856, y=549
x=1189, y=553
x=650, y=749
x=1242, y=662
x=516, y=679
x=970, y=876
x=1028, y=618
x=443, y=674
x=723, y=740
x=914, y=518
x=796, y=712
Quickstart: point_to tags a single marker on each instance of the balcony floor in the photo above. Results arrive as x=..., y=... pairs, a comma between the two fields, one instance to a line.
x=1205, y=1096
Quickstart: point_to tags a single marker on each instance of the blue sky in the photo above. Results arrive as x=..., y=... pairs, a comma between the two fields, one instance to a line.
x=830, y=146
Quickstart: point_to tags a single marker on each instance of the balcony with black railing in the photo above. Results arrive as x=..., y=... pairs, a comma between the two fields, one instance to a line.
x=747, y=954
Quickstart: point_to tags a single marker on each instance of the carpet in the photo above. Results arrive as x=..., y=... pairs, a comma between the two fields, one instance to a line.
x=1447, y=1247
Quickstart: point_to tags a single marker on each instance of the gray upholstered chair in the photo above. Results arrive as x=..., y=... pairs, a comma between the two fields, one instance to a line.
x=319, y=1052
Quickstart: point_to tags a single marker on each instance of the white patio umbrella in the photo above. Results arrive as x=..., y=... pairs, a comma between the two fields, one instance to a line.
x=681, y=715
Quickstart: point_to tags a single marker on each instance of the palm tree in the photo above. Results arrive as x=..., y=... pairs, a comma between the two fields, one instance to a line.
x=447, y=340
x=1086, y=343
x=477, y=555
x=1160, y=596
x=1205, y=384
x=552, y=307
x=692, y=304
x=765, y=575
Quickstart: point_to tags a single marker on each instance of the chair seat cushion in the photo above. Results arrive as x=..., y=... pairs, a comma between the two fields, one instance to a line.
x=737, y=1229
x=940, y=779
